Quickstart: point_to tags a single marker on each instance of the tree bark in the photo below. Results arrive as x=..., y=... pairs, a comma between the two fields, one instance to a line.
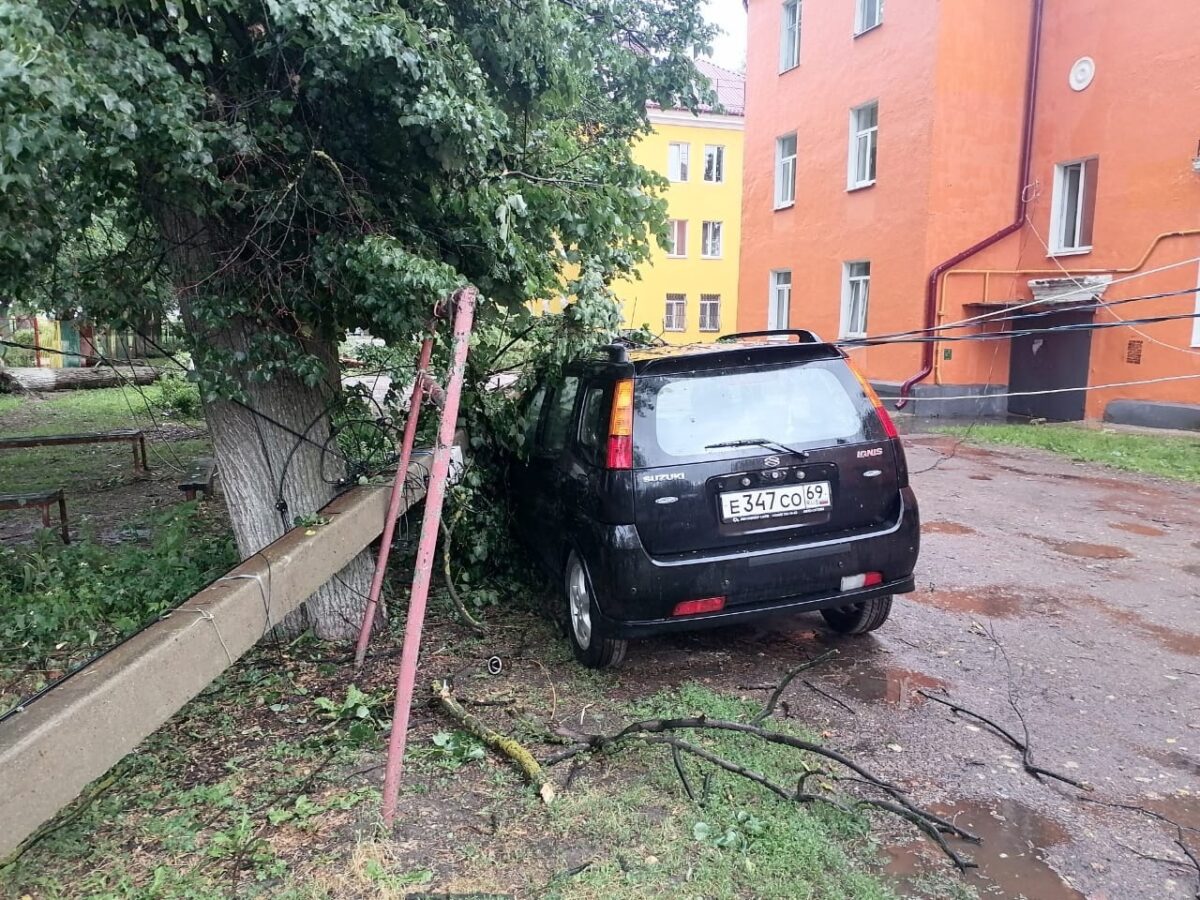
x=271, y=477
x=34, y=379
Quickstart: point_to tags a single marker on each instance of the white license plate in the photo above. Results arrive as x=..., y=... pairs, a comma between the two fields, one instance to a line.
x=767, y=503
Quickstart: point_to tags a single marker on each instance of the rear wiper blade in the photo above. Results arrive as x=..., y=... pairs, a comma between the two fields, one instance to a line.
x=758, y=442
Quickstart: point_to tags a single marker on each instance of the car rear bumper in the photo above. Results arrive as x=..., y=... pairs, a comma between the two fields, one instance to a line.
x=637, y=593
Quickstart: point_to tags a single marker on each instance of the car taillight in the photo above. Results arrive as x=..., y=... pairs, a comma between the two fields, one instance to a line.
x=620, y=427
x=693, y=607
x=889, y=427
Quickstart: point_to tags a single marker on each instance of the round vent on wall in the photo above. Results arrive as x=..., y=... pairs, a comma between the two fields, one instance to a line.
x=1082, y=73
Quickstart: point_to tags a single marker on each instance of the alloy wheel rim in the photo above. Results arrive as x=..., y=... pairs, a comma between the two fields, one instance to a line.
x=581, y=611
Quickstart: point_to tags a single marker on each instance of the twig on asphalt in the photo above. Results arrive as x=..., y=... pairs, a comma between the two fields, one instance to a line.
x=769, y=709
x=828, y=696
x=1021, y=746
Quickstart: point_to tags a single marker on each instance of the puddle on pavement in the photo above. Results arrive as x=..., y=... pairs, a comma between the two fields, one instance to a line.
x=1085, y=550
x=886, y=684
x=941, y=526
x=1185, y=643
x=1137, y=528
x=1011, y=859
x=993, y=602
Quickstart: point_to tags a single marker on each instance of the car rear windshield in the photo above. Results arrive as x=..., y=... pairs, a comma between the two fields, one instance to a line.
x=681, y=418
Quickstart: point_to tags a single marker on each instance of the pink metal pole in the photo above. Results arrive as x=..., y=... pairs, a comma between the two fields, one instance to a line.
x=424, y=569
x=389, y=524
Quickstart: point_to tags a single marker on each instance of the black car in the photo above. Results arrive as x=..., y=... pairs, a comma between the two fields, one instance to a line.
x=691, y=486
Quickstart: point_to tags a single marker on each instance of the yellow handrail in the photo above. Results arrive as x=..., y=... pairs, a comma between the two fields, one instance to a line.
x=988, y=273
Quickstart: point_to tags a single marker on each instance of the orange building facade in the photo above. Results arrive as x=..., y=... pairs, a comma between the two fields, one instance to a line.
x=891, y=183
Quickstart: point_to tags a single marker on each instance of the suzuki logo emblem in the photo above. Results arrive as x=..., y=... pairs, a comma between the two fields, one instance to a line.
x=771, y=462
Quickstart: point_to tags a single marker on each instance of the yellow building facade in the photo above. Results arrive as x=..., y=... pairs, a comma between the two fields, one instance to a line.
x=687, y=292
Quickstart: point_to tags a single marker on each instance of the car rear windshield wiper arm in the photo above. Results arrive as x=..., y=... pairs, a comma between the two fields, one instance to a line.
x=758, y=442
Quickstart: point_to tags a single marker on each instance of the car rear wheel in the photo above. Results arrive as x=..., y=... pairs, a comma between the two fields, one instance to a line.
x=859, y=618
x=592, y=648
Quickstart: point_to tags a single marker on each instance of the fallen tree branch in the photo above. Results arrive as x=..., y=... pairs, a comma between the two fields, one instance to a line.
x=448, y=575
x=662, y=731
x=769, y=709
x=506, y=746
x=1021, y=746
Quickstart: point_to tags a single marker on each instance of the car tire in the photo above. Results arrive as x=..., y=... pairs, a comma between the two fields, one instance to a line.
x=859, y=618
x=592, y=647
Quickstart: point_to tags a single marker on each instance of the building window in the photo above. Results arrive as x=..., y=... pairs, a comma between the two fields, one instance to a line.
x=677, y=238
x=789, y=36
x=864, y=134
x=710, y=312
x=710, y=243
x=714, y=163
x=779, y=304
x=1074, y=206
x=675, y=317
x=785, y=171
x=868, y=14
x=677, y=162
x=856, y=294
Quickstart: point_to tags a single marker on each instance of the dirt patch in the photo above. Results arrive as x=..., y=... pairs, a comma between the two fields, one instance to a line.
x=1137, y=528
x=1192, y=570
x=993, y=602
x=1011, y=859
x=943, y=527
x=980, y=477
x=1085, y=550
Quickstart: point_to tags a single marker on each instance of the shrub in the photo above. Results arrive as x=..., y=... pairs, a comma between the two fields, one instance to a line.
x=178, y=396
x=15, y=356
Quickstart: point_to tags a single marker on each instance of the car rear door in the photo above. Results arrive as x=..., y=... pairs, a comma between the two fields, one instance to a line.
x=702, y=483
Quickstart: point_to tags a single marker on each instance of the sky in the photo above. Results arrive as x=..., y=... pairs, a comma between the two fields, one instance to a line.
x=729, y=49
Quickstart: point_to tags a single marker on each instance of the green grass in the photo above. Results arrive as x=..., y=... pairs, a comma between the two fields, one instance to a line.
x=101, y=409
x=1172, y=457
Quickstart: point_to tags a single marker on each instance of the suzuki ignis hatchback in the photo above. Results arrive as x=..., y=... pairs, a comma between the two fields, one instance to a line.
x=694, y=486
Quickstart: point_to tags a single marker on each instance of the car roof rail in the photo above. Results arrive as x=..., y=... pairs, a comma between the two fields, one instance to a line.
x=805, y=336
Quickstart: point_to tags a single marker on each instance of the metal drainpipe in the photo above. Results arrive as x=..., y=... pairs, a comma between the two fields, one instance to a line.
x=931, y=286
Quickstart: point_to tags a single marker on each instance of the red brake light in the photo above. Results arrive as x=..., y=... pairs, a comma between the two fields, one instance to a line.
x=620, y=427
x=693, y=607
x=889, y=427
x=872, y=578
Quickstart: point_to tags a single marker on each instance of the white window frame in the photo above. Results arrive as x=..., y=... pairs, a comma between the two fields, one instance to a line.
x=859, y=135
x=789, y=36
x=785, y=172
x=1058, y=209
x=861, y=8
x=677, y=161
x=776, y=290
x=717, y=153
x=855, y=284
x=667, y=318
x=712, y=302
x=711, y=238
x=678, y=248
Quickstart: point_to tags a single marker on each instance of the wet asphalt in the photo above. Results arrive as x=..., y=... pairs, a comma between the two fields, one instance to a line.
x=1061, y=600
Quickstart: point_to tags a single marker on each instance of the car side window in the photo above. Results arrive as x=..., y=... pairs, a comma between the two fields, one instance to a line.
x=591, y=424
x=558, y=417
x=533, y=414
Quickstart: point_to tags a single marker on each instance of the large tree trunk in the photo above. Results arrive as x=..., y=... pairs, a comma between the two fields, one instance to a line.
x=34, y=379
x=271, y=477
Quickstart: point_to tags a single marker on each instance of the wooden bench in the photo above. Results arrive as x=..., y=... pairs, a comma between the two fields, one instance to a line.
x=200, y=479
x=41, y=499
x=134, y=436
